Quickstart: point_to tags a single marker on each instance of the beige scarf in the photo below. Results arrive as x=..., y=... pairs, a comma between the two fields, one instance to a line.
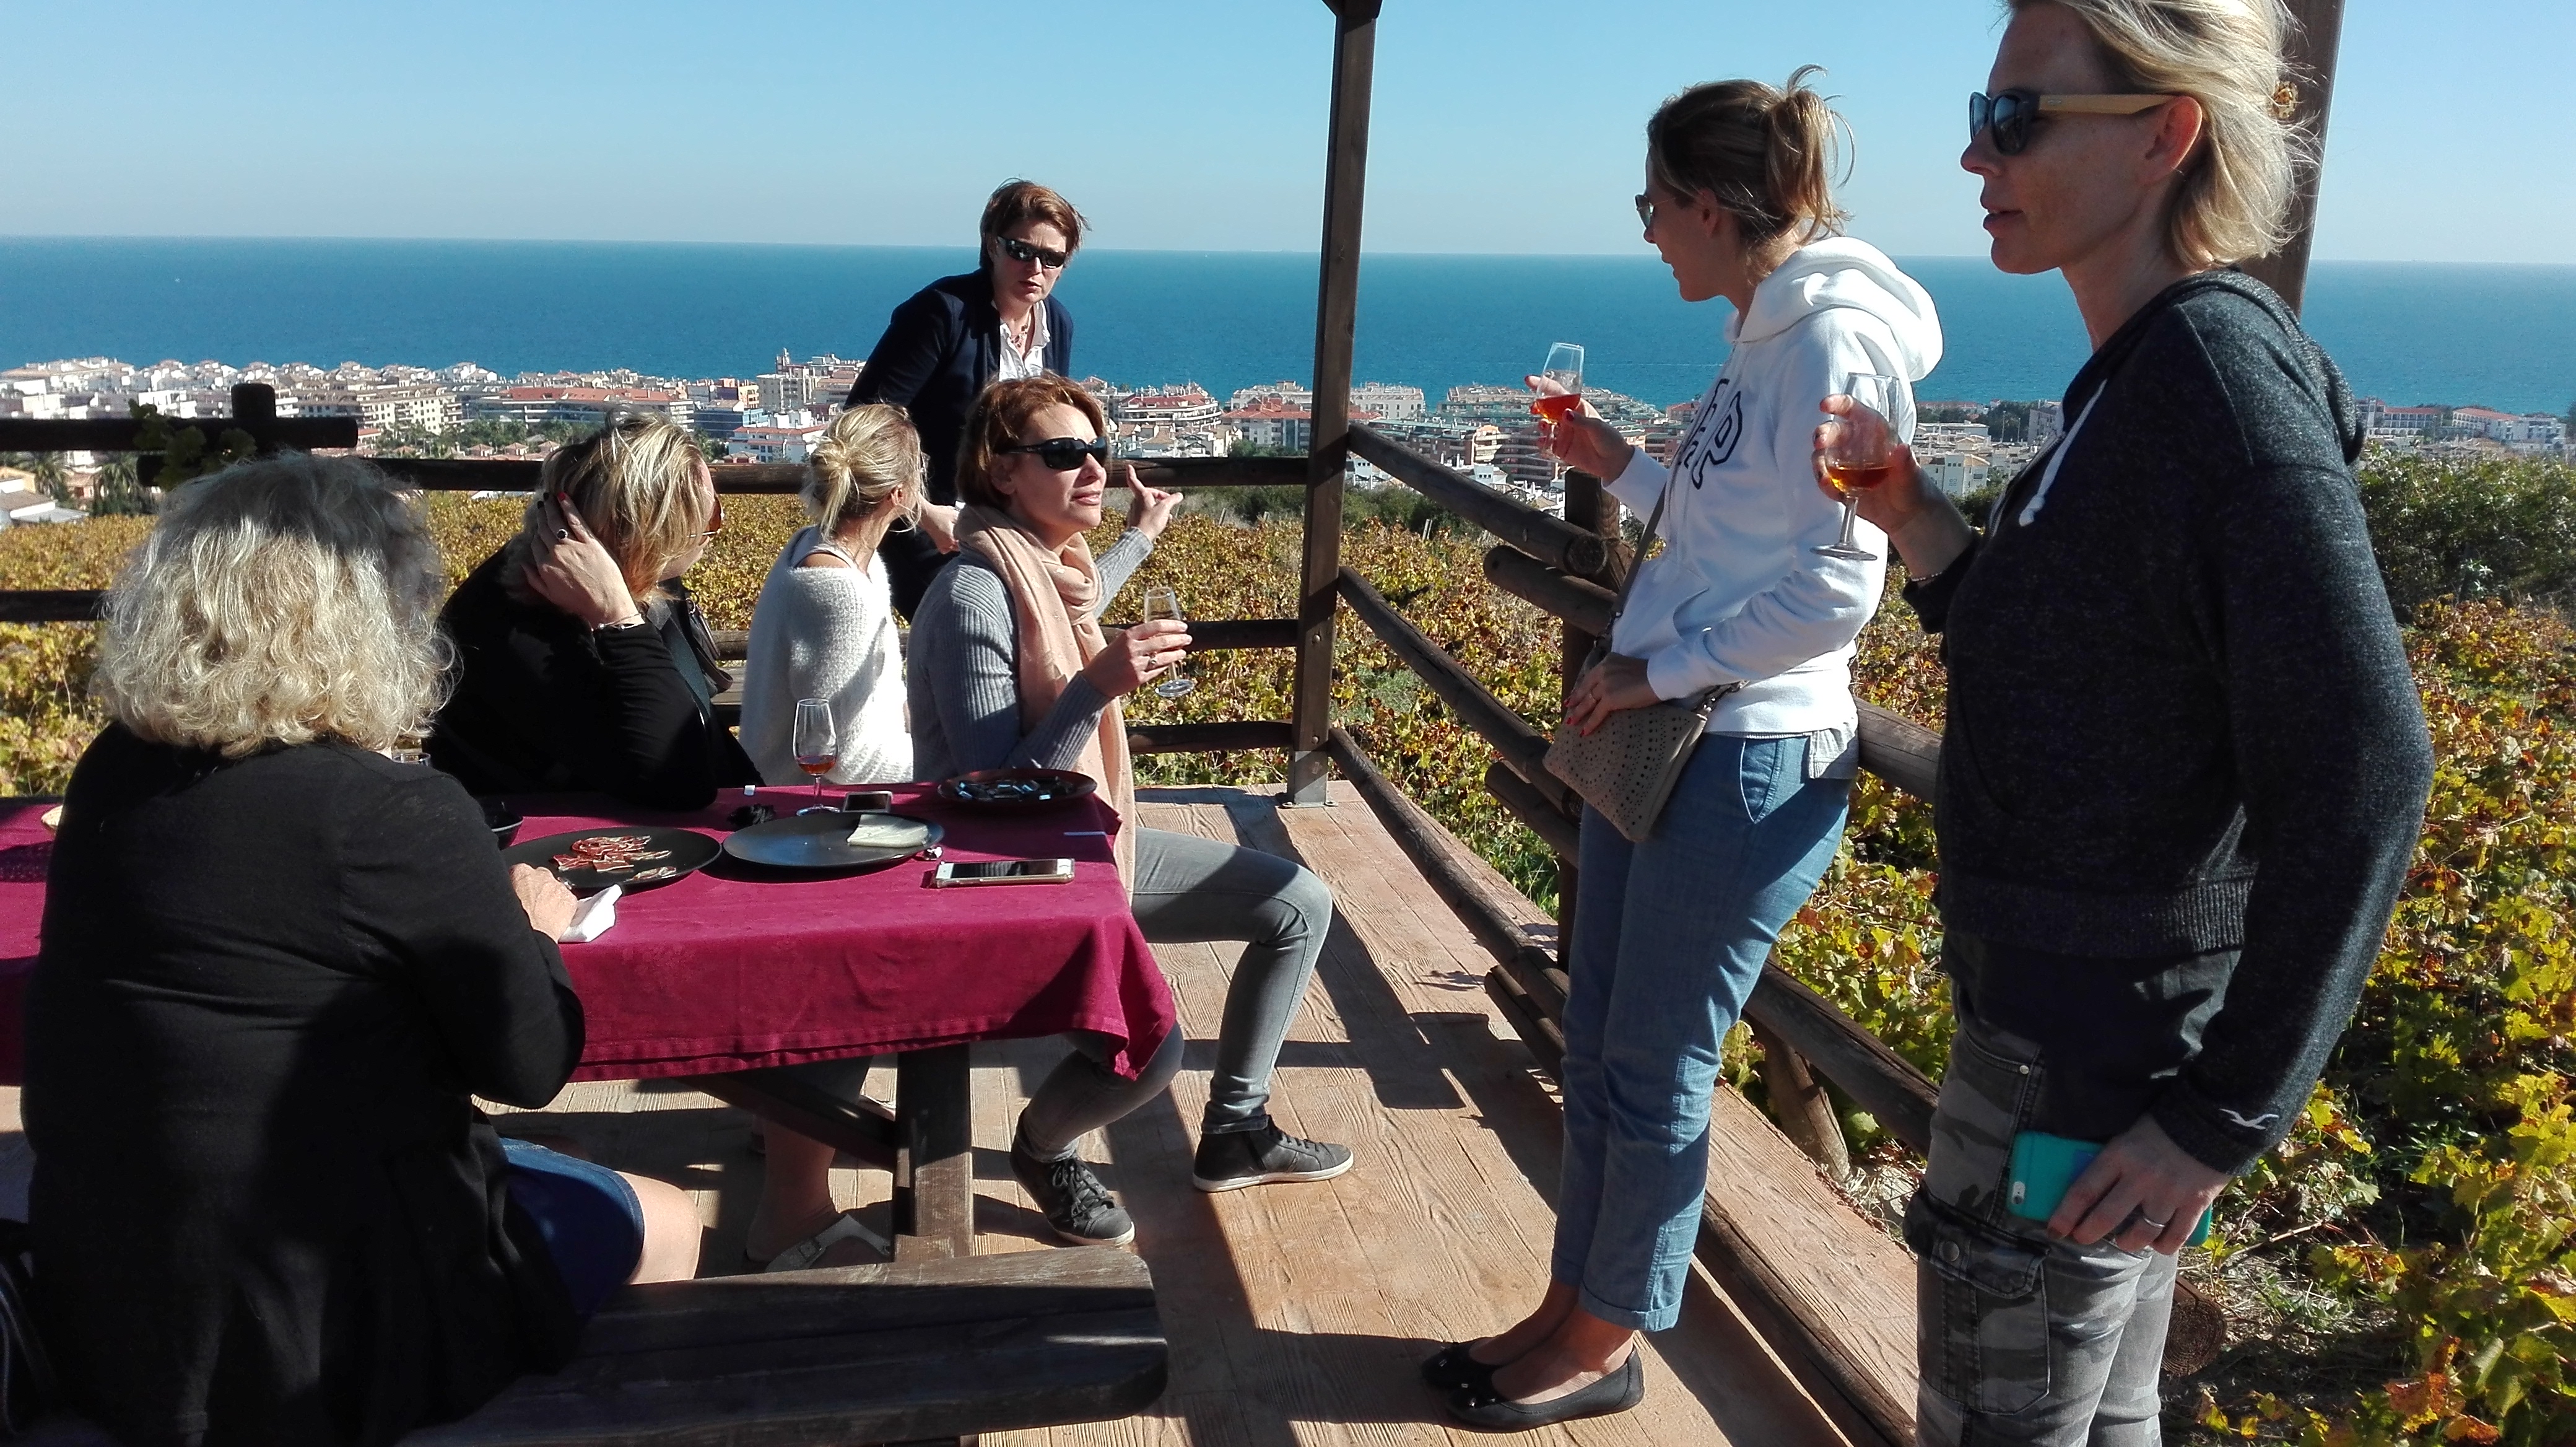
x=1056, y=597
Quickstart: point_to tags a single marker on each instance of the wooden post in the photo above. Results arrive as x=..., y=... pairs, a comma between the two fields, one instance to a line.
x=255, y=412
x=934, y=1184
x=1327, y=452
x=2313, y=42
x=1586, y=507
x=1800, y=1102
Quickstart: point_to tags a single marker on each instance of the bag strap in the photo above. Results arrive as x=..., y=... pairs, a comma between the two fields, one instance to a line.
x=1645, y=545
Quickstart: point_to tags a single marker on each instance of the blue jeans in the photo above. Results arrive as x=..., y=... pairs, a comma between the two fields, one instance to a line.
x=1669, y=939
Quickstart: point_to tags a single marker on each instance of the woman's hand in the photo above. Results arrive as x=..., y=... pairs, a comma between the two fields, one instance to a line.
x=1139, y=655
x=940, y=523
x=1584, y=442
x=1618, y=682
x=548, y=903
x=1149, y=509
x=574, y=571
x=1928, y=532
x=2144, y=1187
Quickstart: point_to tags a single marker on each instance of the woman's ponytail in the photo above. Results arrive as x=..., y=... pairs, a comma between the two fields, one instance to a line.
x=1765, y=153
x=868, y=454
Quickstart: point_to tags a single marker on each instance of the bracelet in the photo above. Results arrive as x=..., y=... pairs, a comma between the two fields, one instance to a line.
x=634, y=622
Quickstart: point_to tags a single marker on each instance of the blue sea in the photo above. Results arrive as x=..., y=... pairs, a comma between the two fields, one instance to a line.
x=2501, y=336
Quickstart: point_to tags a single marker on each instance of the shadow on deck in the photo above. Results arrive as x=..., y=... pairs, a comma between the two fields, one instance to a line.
x=1296, y=1314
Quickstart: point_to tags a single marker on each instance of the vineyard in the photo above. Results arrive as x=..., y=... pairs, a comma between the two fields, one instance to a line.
x=2404, y=1269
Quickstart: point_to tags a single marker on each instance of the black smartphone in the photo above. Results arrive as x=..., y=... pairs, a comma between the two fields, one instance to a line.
x=1002, y=871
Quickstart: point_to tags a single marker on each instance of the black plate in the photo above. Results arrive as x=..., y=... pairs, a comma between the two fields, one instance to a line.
x=821, y=842
x=1017, y=791
x=691, y=851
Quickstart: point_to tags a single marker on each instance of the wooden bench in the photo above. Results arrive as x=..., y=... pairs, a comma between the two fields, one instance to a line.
x=918, y=1351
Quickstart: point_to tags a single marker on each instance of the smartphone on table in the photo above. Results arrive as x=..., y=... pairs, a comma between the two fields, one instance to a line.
x=2044, y=1168
x=1001, y=871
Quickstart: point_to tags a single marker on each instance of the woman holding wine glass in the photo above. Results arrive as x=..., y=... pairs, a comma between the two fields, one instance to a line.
x=1745, y=606
x=2183, y=765
x=1011, y=668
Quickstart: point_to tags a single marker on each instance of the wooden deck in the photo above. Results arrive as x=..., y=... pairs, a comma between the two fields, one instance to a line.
x=1297, y=1313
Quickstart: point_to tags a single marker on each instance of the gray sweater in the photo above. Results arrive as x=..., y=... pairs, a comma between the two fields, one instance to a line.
x=962, y=673
x=2180, y=716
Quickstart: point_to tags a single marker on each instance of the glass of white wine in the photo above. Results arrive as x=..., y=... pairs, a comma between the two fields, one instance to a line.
x=1166, y=603
x=815, y=745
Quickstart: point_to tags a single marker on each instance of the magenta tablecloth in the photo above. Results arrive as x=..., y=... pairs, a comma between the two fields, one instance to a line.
x=734, y=969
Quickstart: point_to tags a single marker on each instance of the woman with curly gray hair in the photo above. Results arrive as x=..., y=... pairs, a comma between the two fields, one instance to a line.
x=2183, y=766
x=276, y=967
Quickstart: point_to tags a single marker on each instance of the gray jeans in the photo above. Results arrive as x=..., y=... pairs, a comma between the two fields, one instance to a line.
x=1190, y=890
x=2022, y=1338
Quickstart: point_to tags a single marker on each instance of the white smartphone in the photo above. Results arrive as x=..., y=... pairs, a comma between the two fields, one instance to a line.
x=1002, y=871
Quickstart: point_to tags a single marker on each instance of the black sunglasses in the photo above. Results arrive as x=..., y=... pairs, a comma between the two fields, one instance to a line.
x=2010, y=114
x=1022, y=252
x=1064, y=454
x=1646, y=211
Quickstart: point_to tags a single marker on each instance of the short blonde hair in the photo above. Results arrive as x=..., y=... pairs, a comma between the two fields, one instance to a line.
x=2234, y=200
x=282, y=600
x=868, y=454
x=994, y=422
x=1765, y=153
x=635, y=484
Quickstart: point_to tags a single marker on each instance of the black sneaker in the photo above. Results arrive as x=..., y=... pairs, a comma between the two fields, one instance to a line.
x=1077, y=1207
x=1243, y=1158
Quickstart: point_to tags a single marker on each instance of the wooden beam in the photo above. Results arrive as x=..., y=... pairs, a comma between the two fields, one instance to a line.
x=1554, y=826
x=1877, y=1079
x=1802, y=1105
x=1550, y=540
x=1337, y=301
x=934, y=1195
x=1522, y=747
x=1584, y=605
x=1209, y=738
x=1899, y=750
x=1219, y=635
x=2315, y=40
x=51, y=605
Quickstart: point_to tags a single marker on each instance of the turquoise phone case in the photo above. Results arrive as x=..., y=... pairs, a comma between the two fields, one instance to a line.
x=2044, y=1167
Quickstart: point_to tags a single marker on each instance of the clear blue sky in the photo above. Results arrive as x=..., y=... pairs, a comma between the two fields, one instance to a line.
x=1501, y=126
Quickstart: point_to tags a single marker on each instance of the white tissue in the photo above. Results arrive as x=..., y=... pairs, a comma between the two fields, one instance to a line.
x=592, y=917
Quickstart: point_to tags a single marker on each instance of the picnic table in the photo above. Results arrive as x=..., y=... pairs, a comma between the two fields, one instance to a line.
x=728, y=975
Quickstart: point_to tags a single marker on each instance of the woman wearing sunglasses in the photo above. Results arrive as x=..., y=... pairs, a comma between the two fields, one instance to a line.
x=2183, y=766
x=999, y=322
x=1010, y=667
x=582, y=664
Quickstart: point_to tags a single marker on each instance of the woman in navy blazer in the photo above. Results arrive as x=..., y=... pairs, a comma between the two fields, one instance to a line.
x=955, y=336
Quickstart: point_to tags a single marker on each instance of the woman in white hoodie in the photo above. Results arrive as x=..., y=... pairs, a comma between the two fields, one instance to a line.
x=1670, y=933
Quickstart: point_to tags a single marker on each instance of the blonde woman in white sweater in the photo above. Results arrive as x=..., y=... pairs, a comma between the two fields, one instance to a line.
x=824, y=628
x=824, y=625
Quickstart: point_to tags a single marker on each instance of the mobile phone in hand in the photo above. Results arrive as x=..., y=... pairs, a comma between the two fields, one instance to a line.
x=2044, y=1168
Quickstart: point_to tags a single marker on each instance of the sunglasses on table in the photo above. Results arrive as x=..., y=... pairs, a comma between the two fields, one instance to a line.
x=1023, y=253
x=2010, y=114
x=1064, y=454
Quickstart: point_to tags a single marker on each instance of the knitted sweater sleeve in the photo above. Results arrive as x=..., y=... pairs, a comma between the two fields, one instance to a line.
x=977, y=692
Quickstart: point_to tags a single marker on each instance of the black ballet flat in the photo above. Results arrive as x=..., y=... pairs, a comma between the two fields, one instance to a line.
x=1452, y=1368
x=1479, y=1408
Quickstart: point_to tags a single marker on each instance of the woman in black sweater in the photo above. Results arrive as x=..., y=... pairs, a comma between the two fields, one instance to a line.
x=276, y=965
x=585, y=667
x=2184, y=766
x=999, y=322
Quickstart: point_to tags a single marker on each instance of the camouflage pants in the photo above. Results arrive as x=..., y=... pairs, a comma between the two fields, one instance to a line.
x=2020, y=1337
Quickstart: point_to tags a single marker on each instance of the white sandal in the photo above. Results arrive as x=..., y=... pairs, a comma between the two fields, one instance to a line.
x=844, y=1227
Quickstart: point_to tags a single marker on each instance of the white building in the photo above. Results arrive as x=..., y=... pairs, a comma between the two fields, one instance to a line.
x=787, y=439
x=1182, y=408
x=1392, y=403
x=383, y=406
x=2047, y=422
x=1273, y=425
x=1955, y=474
x=1281, y=393
x=583, y=406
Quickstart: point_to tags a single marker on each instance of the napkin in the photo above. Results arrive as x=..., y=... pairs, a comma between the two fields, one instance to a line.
x=592, y=917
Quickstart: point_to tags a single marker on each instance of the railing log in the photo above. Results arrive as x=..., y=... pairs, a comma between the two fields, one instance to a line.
x=1866, y=1414
x=1899, y=750
x=50, y=605
x=1877, y=1079
x=1585, y=606
x=1544, y=1037
x=1219, y=635
x=1210, y=738
x=1529, y=806
x=1523, y=748
x=1552, y=541
x=1802, y=1105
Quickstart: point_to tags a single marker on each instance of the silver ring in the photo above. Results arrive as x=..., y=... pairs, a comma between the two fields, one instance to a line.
x=563, y=535
x=2152, y=1221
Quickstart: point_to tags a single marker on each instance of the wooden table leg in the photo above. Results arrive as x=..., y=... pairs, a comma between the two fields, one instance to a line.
x=934, y=1179
x=865, y=1129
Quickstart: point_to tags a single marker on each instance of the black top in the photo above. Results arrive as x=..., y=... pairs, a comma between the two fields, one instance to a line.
x=941, y=348
x=2180, y=717
x=264, y=1209
x=545, y=705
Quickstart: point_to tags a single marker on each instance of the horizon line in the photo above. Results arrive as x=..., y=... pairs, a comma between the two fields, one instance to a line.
x=962, y=248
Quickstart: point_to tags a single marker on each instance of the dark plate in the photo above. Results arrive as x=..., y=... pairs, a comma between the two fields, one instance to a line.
x=691, y=851
x=1017, y=791
x=821, y=842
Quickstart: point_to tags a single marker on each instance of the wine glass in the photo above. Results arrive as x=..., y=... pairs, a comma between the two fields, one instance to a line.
x=1166, y=603
x=1564, y=368
x=816, y=746
x=1862, y=457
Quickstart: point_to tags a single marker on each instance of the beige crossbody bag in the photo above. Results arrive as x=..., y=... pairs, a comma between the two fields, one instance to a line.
x=1628, y=766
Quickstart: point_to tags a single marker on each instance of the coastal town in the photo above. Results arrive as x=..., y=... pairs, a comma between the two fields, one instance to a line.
x=1486, y=431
